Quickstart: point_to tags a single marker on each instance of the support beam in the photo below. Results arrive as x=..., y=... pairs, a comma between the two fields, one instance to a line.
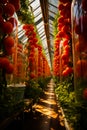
x=45, y=13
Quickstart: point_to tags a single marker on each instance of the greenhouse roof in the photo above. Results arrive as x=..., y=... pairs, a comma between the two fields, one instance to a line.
x=44, y=14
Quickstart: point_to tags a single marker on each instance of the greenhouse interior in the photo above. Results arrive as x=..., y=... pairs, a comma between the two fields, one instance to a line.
x=43, y=64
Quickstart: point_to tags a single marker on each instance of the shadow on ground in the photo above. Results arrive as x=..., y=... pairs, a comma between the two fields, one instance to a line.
x=46, y=114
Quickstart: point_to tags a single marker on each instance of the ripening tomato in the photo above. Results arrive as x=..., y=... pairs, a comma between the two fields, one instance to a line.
x=9, y=50
x=65, y=42
x=31, y=27
x=67, y=48
x=64, y=73
x=20, y=46
x=65, y=56
x=4, y=62
x=61, y=6
x=61, y=34
x=68, y=5
x=9, y=9
x=13, y=21
x=7, y=27
x=16, y=4
x=67, y=71
x=61, y=19
x=59, y=27
x=66, y=28
x=9, y=41
x=32, y=75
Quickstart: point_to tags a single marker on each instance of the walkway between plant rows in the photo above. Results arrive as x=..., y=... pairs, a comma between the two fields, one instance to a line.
x=46, y=114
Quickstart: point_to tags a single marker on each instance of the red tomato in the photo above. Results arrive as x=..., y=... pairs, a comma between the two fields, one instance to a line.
x=61, y=34
x=59, y=27
x=65, y=56
x=7, y=27
x=61, y=19
x=4, y=62
x=66, y=28
x=67, y=71
x=9, y=9
x=9, y=50
x=67, y=48
x=9, y=41
x=16, y=4
x=65, y=42
x=13, y=21
x=61, y=6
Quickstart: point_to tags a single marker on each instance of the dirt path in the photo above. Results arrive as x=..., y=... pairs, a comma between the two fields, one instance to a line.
x=46, y=114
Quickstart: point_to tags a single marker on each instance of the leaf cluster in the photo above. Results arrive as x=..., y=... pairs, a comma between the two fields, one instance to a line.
x=24, y=14
x=75, y=113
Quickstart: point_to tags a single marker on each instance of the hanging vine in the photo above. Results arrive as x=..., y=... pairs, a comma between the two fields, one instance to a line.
x=24, y=14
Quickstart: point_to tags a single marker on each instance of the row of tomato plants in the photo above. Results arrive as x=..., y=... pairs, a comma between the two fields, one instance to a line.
x=75, y=113
x=15, y=56
x=10, y=48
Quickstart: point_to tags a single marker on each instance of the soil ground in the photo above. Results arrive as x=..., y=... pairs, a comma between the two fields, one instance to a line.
x=46, y=114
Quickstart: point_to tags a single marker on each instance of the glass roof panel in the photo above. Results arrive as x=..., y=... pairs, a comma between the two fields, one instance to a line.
x=50, y=21
x=37, y=12
x=51, y=30
x=53, y=9
x=43, y=37
x=44, y=43
x=41, y=31
x=41, y=28
x=40, y=24
x=51, y=26
x=54, y=2
x=35, y=3
x=38, y=17
x=52, y=14
x=24, y=40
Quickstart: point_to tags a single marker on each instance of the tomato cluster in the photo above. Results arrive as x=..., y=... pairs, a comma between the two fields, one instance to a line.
x=7, y=25
x=36, y=61
x=62, y=54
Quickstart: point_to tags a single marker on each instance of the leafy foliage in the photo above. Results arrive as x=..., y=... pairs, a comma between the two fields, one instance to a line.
x=24, y=14
x=11, y=101
x=43, y=82
x=75, y=114
x=55, y=24
x=33, y=90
